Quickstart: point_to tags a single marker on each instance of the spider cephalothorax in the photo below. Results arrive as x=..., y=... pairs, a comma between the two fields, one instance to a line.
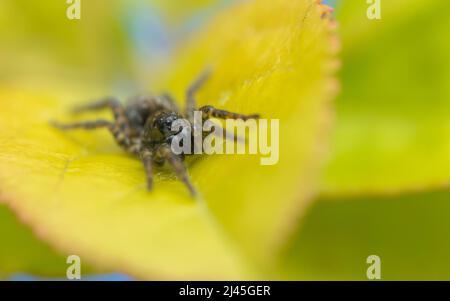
x=144, y=127
x=159, y=127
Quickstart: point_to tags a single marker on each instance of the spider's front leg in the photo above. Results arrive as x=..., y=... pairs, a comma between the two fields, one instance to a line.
x=191, y=103
x=210, y=111
x=165, y=152
x=115, y=128
x=85, y=125
x=106, y=103
x=120, y=128
x=147, y=160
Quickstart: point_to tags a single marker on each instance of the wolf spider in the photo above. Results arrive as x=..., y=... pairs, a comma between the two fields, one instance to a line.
x=143, y=127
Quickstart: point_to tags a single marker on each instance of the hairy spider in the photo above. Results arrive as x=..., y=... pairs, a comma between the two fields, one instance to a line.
x=144, y=127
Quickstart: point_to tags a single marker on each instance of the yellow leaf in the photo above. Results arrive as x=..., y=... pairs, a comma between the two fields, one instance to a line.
x=38, y=40
x=85, y=196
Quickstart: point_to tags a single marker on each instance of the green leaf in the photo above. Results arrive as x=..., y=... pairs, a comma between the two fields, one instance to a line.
x=21, y=251
x=409, y=233
x=392, y=131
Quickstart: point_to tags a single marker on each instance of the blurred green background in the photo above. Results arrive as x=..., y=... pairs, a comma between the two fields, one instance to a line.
x=385, y=187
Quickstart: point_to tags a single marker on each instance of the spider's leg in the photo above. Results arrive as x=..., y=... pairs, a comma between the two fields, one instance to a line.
x=209, y=111
x=109, y=102
x=177, y=164
x=121, y=128
x=113, y=104
x=86, y=125
x=147, y=158
x=190, y=94
x=119, y=134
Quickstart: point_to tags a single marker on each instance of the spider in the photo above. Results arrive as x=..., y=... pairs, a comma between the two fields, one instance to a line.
x=143, y=127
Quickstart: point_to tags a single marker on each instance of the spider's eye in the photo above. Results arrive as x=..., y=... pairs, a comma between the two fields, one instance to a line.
x=164, y=123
